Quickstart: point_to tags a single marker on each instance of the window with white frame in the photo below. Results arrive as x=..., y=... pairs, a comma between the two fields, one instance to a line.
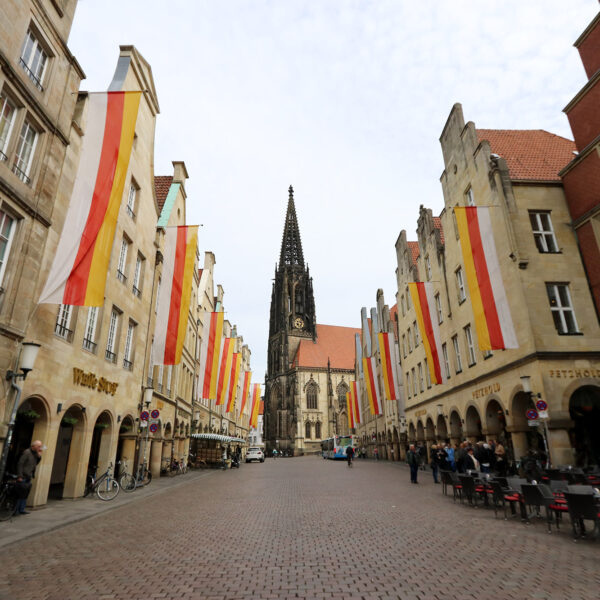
x=63, y=322
x=420, y=370
x=137, y=276
x=409, y=337
x=407, y=298
x=7, y=232
x=427, y=374
x=562, y=308
x=402, y=305
x=159, y=377
x=487, y=353
x=89, y=336
x=469, y=197
x=34, y=59
x=460, y=285
x=111, y=342
x=438, y=308
x=470, y=346
x=8, y=112
x=131, y=199
x=25, y=150
x=457, y=357
x=129, y=340
x=446, y=361
x=414, y=381
x=157, y=295
x=428, y=268
x=122, y=264
x=543, y=232
x=169, y=378
x=404, y=345
x=408, y=383
x=416, y=333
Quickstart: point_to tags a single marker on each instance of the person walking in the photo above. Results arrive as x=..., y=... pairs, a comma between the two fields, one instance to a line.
x=350, y=455
x=412, y=458
x=376, y=453
x=25, y=473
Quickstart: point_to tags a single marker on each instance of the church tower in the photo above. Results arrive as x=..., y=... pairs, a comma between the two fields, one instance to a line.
x=292, y=318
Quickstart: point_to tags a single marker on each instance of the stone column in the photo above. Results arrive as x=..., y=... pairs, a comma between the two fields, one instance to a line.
x=155, y=457
x=519, y=442
x=559, y=444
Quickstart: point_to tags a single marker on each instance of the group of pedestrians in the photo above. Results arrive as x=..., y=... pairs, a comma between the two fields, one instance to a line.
x=482, y=456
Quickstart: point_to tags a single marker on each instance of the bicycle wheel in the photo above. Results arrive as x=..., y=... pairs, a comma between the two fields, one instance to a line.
x=127, y=482
x=172, y=471
x=145, y=479
x=107, y=489
x=8, y=504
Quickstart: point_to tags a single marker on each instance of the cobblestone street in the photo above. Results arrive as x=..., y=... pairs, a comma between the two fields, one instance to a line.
x=301, y=528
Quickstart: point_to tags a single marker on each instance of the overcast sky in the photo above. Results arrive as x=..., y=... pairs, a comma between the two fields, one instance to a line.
x=346, y=101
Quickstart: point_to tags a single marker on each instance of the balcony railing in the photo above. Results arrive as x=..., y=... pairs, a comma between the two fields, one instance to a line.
x=137, y=292
x=149, y=382
x=127, y=364
x=63, y=332
x=110, y=356
x=3, y=156
x=89, y=345
x=121, y=276
x=158, y=387
x=21, y=174
x=31, y=75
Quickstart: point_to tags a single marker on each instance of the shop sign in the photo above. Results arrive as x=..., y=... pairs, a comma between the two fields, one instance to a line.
x=532, y=423
x=574, y=373
x=485, y=391
x=90, y=380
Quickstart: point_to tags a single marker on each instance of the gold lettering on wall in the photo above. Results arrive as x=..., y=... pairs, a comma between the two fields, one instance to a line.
x=573, y=373
x=90, y=380
x=484, y=391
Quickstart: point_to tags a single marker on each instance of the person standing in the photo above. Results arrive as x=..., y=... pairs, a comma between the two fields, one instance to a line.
x=25, y=473
x=412, y=458
x=376, y=453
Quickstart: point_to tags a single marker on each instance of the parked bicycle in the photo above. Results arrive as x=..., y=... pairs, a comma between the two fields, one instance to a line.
x=177, y=467
x=105, y=486
x=8, y=497
x=129, y=483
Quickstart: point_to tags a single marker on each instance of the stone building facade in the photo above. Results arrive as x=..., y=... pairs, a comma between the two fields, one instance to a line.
x=39, y=80
x=516, y=174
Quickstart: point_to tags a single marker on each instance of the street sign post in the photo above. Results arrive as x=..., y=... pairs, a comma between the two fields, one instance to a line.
x=532, y=414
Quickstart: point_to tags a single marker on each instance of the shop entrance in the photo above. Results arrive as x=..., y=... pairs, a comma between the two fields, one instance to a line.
x=100, y=448
x=584, y=408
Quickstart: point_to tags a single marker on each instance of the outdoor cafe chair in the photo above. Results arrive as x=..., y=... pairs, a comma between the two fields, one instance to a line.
x=446, y=480
x=583, y=507
x=537, y=496
x=471, y=489
x=502, y=496
x=586, y=490
x=456, y=485
x=558, y=485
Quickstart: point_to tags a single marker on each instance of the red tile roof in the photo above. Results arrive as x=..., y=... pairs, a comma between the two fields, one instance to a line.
x=162, y=183
x=334, y=343
x=437, y=222
x=531, y=154
x=414, y=251
x=261, y=408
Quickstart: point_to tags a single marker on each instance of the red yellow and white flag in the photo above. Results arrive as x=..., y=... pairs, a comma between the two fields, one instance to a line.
x=233, y=380
x=389, y=362
x=350, y=410
x=245, y=390
x=255, y=405
x=356, y=401
x=225, y=370
x=210, y=352
x=493, y=321
x=174, y=294
x=370, y=373
x=422, y=295
x=78, y=273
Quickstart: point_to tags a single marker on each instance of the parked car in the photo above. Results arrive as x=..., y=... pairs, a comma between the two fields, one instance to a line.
x=255, y=454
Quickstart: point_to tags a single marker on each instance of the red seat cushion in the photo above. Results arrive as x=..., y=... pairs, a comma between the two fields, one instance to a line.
x=514, y=498
x=560, y=507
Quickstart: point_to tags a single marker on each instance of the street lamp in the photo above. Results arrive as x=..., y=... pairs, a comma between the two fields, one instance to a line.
x=29, y=352
x=526, y=383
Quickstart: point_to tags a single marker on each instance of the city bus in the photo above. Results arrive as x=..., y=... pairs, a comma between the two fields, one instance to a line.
x=335, y=447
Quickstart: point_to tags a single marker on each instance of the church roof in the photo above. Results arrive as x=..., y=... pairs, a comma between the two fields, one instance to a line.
x=334, y=343
x=291, y=245
x=162, y=184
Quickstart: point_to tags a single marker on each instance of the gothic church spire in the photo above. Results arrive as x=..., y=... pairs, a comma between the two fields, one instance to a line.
x=291, y=245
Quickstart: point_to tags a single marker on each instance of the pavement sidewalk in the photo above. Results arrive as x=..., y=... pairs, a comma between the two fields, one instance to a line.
x=58, y=513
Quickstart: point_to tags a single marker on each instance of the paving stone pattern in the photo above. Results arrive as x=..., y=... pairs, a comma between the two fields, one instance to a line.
x=301, y=528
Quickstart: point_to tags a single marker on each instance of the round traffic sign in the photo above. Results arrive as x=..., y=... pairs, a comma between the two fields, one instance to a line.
x=153, y=427
x=145, y=416
x=541, y=405
x=155, y=414
x=532, y=414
